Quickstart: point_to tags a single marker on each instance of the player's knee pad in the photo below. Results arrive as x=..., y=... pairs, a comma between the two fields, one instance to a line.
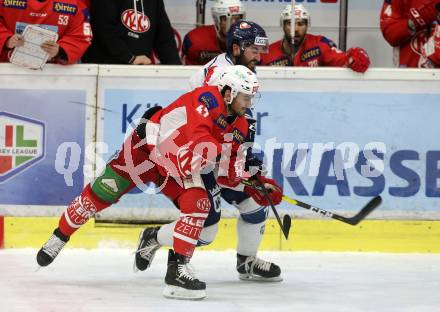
x=207, y=235
x=251, y=212
x=83, y=207
x=110, y=186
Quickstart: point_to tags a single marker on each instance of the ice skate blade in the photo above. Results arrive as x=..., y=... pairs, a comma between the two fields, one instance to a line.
x=255, y=278
x=175, y=292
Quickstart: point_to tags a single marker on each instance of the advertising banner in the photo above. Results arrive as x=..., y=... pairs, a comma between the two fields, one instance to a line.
x=341, y=149
x=329, y=137
x=47, y=125
x=33, y=125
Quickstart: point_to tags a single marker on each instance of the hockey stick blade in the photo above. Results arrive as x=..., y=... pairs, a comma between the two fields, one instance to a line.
x=287, y=223
x=365, y=211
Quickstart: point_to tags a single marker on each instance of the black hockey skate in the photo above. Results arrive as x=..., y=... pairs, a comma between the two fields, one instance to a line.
x=147, y=247
x=251, y=268
x=180, y=281
x=51, y=248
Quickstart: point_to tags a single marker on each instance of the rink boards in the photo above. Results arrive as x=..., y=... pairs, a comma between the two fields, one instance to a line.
x=331, y=137
x=395, y=236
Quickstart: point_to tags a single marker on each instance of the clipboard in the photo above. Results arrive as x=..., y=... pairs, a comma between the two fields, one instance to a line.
x=30, y=55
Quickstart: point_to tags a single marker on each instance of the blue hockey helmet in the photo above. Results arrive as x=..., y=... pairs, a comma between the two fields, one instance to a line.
x=246, y=33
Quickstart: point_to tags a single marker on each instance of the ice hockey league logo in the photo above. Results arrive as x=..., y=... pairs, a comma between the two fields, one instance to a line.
x=22, y=142
x=135, y=21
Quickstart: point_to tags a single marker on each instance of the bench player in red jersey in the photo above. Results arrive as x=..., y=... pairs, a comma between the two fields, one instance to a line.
x=310, y=50
x=205, y=42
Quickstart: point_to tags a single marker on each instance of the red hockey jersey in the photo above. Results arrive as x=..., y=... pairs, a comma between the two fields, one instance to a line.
x=394, y=25
x=201, y=45
x=69, y=18
x=314, y=51
x=187, y=135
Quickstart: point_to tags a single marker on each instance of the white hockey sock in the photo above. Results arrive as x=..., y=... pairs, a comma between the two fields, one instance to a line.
x=165, y=234
x=249, y=237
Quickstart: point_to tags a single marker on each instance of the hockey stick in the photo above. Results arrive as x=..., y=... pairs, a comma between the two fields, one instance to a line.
x=287, y=221
x=361, y=215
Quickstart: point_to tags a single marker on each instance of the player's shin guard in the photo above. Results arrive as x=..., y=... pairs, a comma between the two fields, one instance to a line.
x=77, y=213
x=80, y=210
x=166, y=231
x=194, y=208
x=180, y=281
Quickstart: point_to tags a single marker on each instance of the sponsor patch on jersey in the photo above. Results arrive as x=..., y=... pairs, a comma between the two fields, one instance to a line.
x=221, y=122
x=135, y=21
x=209, y=100
x=310, y=54
x=283, y=61
x=238, y=136
x=64, y=8
x=15, y=4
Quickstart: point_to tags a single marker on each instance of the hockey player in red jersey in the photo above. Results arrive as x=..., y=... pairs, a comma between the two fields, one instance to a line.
x=70, y=19
x=245, y=42
x=205, y=42
x=406, y=25
x=310, y=50
x=173, y=148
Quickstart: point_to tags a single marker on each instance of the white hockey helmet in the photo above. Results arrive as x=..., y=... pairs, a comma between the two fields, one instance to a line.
x=227, y=8
x=240, y=79
x=300, y=13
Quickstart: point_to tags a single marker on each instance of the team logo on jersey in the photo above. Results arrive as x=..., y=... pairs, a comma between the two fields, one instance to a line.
x=310, y=54
x=15, y=4
x=64, y=8
x=209, y=100
x=135, y=21
x=203, y=204
x=208, y=74
x=22, y=142
x=244, y=25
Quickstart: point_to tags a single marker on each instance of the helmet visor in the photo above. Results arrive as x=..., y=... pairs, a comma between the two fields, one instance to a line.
x=256, y=49
x=249, y=99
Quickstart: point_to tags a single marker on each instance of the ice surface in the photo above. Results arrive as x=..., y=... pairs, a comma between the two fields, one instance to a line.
x=103, y=280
